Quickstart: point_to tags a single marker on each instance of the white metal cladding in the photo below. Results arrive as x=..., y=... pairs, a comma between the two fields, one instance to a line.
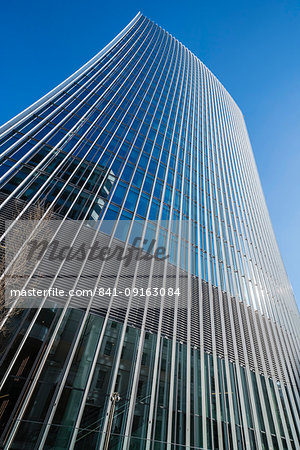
x=237, y=304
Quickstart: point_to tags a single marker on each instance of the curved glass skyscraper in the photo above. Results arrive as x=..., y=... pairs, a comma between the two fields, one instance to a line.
x=196, y=329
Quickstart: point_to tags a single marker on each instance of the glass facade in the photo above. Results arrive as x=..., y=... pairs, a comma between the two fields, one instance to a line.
x=145, y=135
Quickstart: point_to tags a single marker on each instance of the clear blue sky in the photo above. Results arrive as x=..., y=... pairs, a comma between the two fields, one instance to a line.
x=253, y=47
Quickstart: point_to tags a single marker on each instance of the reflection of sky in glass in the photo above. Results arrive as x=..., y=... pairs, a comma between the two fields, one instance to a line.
x=148, y=133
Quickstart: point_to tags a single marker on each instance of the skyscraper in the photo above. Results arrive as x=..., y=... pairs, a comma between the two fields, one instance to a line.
x=201, y=342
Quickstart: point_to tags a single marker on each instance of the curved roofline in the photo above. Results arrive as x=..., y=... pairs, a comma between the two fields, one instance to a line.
x=5, y=127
